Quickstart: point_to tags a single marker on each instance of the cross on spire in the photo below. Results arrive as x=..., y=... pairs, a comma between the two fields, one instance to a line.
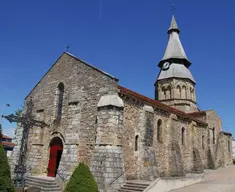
x=173, y=9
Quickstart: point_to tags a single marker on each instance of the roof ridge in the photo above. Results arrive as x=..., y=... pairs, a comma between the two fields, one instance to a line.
x=71, y=55
x=84, y=62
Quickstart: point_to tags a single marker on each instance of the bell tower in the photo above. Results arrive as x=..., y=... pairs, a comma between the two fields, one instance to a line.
x=175, y=85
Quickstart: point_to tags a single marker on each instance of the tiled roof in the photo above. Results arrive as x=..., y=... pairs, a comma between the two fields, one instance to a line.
x=6, y=137
x=198, y=113
x=8, y=144
x=158, y=104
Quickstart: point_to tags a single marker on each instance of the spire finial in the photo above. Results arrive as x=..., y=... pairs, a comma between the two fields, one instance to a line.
x=173, y=9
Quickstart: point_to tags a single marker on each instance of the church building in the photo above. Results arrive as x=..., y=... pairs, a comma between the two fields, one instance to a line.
x=121, y=134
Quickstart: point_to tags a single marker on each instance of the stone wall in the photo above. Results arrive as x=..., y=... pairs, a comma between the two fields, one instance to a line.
x=223, y=153
x=83, y=87
x=168, y=154
x=107, y=163
x=14, y=158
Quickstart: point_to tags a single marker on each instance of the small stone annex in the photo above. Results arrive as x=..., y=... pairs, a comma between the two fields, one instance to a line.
x=122, y=135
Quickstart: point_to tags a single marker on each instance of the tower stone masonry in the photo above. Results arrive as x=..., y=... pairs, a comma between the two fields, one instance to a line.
x=175, y=85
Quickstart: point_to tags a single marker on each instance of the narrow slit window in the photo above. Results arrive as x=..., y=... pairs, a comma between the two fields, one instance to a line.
x=183, y=136
x=203, y=142
x=159, y=130
x=136, y=142
x=60, y=97
x=213, y=135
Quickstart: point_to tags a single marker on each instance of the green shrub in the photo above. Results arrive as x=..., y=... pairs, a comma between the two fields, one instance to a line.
x=81, y=180
x=6, y=184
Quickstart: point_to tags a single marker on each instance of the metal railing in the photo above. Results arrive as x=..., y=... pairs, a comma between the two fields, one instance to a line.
x=116, y=178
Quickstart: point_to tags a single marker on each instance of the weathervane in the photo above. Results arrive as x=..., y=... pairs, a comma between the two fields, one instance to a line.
x=173, y=9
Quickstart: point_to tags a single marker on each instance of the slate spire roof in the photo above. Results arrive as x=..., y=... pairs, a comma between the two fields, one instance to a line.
x=174, y=25
x=176, y=56
x=174, y=49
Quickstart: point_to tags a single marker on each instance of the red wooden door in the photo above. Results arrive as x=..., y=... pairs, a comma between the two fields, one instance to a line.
x=52, y=165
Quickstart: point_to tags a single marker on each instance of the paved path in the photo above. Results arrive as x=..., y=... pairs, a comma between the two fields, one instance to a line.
x=221, y=180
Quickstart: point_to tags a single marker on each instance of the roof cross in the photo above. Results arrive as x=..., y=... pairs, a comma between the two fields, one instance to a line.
x=173, y=9
x=67, y=48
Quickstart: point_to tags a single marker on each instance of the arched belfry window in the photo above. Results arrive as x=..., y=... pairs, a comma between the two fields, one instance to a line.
x=183, y=92
x=136, y=142
x=168, y=92
x=183, y=136
x=159, y=130
x=178, y=88
x=60, y=96
x=192, y=93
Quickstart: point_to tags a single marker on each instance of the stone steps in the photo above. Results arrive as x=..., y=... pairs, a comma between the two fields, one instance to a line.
x=134, y=186
x=47, y=184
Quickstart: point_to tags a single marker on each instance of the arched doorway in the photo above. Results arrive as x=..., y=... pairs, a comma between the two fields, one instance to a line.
x=56, y=149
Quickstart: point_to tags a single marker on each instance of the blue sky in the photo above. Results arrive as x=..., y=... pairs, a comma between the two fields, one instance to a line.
x=125, y=38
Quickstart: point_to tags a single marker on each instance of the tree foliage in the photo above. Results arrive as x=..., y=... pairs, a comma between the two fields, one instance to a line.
x=6, y=184
x=81, y=180
x=19, y=111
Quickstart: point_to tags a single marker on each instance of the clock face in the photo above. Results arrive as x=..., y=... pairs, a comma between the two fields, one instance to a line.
x=166, y=65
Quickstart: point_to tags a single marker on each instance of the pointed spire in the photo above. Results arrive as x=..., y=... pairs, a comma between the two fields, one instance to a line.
x=174, y=26
x=174, y=50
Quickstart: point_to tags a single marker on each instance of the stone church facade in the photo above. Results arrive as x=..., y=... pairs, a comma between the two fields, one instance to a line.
x=123, y=135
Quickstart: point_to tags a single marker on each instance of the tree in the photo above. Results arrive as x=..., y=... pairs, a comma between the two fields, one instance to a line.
x=6, y=184
x=81, y=180
x=19, y=111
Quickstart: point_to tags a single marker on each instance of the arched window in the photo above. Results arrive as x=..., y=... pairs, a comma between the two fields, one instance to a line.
x=183, y=136
x=183, y=92
x=203, y=142
x=168, y=92
x=213, y=135
x=60, y=95
x=136, y=142
x=178, y=91
x=192, y=93
x=159, y=130
x=228, y=146
x=163, y=93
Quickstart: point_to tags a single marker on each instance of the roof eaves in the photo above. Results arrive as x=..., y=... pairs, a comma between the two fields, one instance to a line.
x=93, y=67
x=8, y=144
x=196, y=114
x=158, y=104
x=6, y=137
